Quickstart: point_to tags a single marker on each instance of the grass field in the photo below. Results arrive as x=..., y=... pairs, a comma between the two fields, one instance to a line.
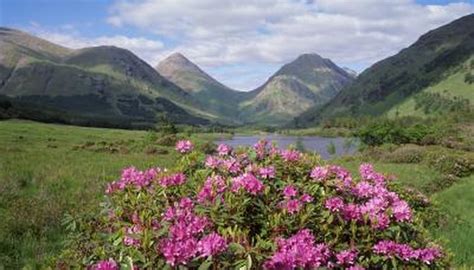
x=49, y=170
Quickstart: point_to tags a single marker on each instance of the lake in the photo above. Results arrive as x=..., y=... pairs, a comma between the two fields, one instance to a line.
x=310, y=143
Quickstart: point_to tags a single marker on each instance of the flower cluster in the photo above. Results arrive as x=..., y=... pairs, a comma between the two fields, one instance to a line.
x=183, y=243
x=109, y=264
x=227, y=209
x=133, y=177
x=172, y=180
x=373, y=198
x=290, y=155
x=184, y=146
x=212, y=188
x=406, y=252
x=292, y=203
x=249, y=182
x=299, y=251
x=224, y=149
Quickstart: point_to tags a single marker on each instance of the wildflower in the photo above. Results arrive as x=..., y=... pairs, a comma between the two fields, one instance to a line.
x=224, y=149
x=212, y=162
x=356, y=267
x=232, y=165
x=320, y=173
x=211, y=244
x=212, y=187
x=334, y=204
x=289, y=191
x=306, y=198
x=267, y=172
x=261, y=148
x=290, y=155
x=298, y=251
x=173, y=180
x=367, y=172
x=249, y=182
x=428, y=255
x=401, y=211
x=380, y=221
x=109, y=264
x=292, y=206
x=351, y=211
x=184, y=146
x=178, y=252
x=346, y=257
x=363, y=189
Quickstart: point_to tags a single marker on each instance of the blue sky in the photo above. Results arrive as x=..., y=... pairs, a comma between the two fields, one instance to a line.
x=240, y=42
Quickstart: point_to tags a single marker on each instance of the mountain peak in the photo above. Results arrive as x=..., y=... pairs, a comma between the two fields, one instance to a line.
x=178, y=62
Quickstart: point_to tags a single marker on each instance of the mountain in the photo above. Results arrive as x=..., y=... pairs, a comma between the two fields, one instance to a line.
x=437, y=69
x=212, y=94
x=351, y=72
x=306, y=82
x=98, y=84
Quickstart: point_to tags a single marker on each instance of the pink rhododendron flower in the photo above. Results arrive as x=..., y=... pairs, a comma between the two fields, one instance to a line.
x=212, y=187
x=320, y=173
x=178, y=252
x=351, y=211
x=249, y=182
x=299, y=251
x=428, y=255
x=223, y=149
x=367, y=172
x=306, y=198
x=184, y=146
x=173, y=180
x=405, y=252
x=232, y=165
x=211, y=244
x=334, y=204
x=212, y=162
x=261, y=148
x=292, y=206
x=289, y=191
x=109, y=264
x=356, y=267
x=401, y=211
x=267, y=172
x=346, y=257
x=290, y=155
x=363, y=189
x=133, y=177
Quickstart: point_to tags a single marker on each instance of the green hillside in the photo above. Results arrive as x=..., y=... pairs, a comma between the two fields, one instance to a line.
x=308, y=81
x=207, y=91
x=99, y=82
x=437, y=56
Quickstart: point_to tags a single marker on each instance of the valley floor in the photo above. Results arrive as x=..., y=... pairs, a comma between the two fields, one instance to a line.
x=47, y=171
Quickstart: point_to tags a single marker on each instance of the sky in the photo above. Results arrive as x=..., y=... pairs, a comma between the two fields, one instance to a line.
x=239, y=42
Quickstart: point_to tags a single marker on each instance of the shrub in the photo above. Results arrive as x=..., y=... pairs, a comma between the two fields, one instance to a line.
x=454, y=163
x=253, y=208
x=405, y=154
x=167, y=140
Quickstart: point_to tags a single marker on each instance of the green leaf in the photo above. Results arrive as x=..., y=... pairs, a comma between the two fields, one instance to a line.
x=206, y=264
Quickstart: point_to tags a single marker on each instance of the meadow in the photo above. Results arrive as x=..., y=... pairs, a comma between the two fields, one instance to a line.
x=48, y=171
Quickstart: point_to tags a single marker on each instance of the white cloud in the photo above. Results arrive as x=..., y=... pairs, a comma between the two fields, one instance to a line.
x=217, y=32
x=221, y=34
x=148, y=49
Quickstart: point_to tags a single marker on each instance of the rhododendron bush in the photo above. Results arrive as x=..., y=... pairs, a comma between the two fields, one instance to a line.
x=254, y=208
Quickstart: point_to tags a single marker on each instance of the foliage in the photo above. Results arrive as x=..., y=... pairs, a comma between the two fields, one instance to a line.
x=400, y=131
x=253, y=208
x=452, y=163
